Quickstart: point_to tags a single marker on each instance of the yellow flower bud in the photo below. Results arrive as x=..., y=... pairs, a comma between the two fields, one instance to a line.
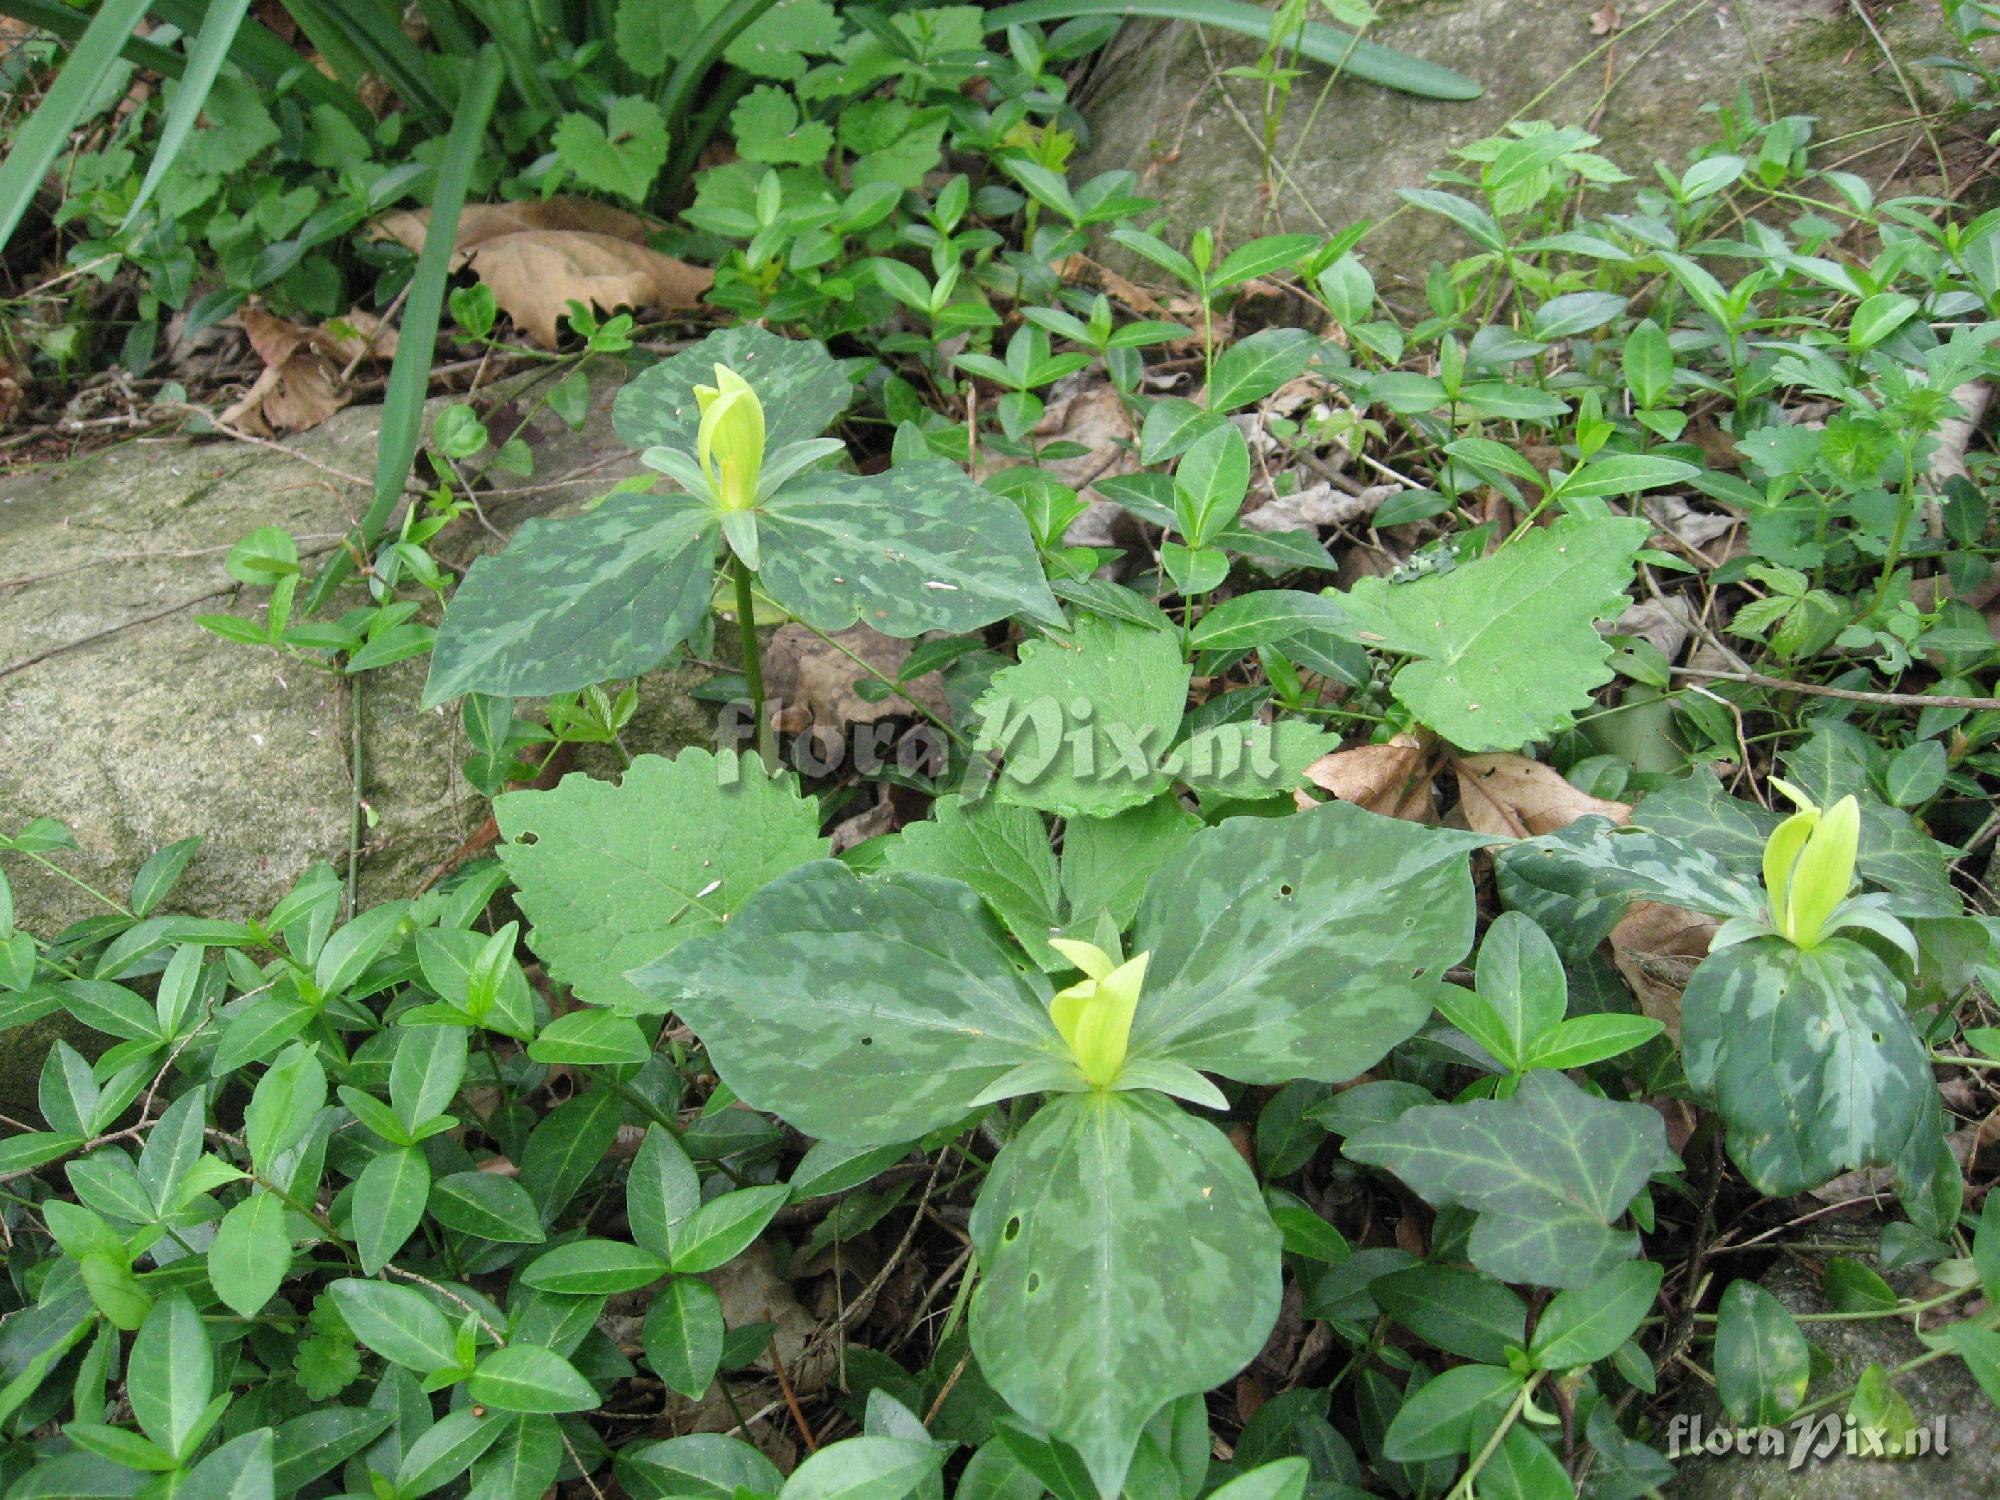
x=1809, y=865
x=1095, y=1014
x=730, y=440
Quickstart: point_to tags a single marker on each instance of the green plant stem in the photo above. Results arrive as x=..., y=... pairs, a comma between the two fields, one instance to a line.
x=1463, y=1489
x=355, y=811
x=83, y=885
x=753, y=662
x=1906, y=507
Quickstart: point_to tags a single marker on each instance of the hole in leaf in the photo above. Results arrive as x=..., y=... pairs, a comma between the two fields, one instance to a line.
x=1034, y=1282
x=868, y=1041
x=1013, y=1230
x=1285, y=889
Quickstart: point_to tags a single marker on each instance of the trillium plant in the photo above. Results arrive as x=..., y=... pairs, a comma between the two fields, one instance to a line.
x=1126, y=1256
x=735, y=421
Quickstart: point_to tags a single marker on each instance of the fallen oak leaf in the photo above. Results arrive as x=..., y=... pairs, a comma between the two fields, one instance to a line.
x=1388, y=779
x=1511, y=796
x=480, y=222
x=535, y=274
x=303, y=381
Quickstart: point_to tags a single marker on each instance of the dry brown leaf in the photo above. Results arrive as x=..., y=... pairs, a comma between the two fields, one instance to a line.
x=810, y=682
x=1604, y=20
x=480, y=222
x=537, y=273
x=1655, y=948
x=1511, y=796
x=1386, y=779
x=302, y=382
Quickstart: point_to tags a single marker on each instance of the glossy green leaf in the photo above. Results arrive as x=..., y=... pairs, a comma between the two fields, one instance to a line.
x=243, y=1468
x=526, y=1378
x=590, y=1267
x=1462, y=1312
x=591, y=1038
x=683, y=1336
x=1472, y=682
x=171, y=1374
x=917, y=547
x=613, y=875
x=1762, y=1364
x=867, y=1010
x=723, y=1227
x=282, y=1107
x=661, y=1192
x=1127, y=1259
x=578, y=600
x=389, y=1198
x=864, y=1468
x=801, y=386
x=448, y=1448
x=1300, y=947
x=1589, y=1322
x=426, y=1071
x=308, y=1445
x=1809, y=1056
x=398, y=1322
x=1448, y=1415
x=251, y=1252
x=522, y=1463
x=1547, y=1171
x=699, y=1466
x=1520, y=977
x=488, y=1206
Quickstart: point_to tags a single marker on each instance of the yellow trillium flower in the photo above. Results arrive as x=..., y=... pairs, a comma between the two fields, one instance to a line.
x=1095, y=1014
x=1809, y=865
x=730, y=440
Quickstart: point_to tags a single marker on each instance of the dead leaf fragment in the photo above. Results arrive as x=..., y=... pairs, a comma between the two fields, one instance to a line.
x=1655, y=949
x=1604, y=20
x=535, y=274
x=303, y=381
x=1387, y=779
x=1510, y=796
x=480, y=222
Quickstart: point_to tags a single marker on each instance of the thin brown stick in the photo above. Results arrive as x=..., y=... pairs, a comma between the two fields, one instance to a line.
x=792, y=1401
x=1851, y=695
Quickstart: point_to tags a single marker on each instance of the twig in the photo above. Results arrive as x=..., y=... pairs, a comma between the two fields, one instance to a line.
x=792, y=1401
x=1850, y=695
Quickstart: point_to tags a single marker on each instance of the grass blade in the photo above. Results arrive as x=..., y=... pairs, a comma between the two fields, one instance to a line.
x=41, y=140
x=211, y=50
x=677, y=97
x=262, y=57
x=1365, y=60
x=61, y=21
x=409, y=374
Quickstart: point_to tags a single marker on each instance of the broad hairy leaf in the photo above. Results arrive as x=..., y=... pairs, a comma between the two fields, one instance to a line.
x=577, y=600
x=1809, y=1056
x=862, y=1009
x=1002, y=851
x=800, y=385
x=1506, y=646
x=1546, y=1171
x=1300, y=947
x=1127, y=1259
x=1084, y=722
x=917, y=547
x=615, y=874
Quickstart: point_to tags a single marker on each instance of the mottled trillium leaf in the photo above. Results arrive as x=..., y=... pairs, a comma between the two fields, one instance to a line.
x=614, y=874
x=1474, y=682
x=578, y=600
x=1895, y=853
x=1131, y=1238
x=1083, y=723
x=917, y=547
x=801, y=386
x=1546, y=1171
x=1300, y=947
x=1809, y=1056
x=1578, y=881
x=861, y=1009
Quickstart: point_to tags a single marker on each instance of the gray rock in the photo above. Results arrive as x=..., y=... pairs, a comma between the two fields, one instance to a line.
x=1942, y=1389
x=136, y=727
x=1157, y=104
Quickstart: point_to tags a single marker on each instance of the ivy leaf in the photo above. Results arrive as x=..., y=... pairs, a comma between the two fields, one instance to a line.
x=861, y=1010
x=1546, y=1171
x=621, y=156
x=1084, y=722
x=1506, y=645
x=612, y=875
x=1300, y=947
x=1132, y=1236
x=578, y=600
x=917, y=547
x=1809, y=1056
x=800, y=385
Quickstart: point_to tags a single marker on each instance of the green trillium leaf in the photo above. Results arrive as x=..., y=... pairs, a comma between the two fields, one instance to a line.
x=917, y=547
x=1300, y=947
x=1546, y=1171
x=578, y=600
x=1809, y=1056
x=801, y=386
x=1472, y=682
x=1132, y=1238
x=1578, y=881
x=613, y=875
x=866, y=1010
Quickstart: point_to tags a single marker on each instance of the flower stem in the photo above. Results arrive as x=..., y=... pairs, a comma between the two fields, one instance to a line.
x=753, y=664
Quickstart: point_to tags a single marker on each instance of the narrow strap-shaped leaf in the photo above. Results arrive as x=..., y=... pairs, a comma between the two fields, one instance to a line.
x=211, y=50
